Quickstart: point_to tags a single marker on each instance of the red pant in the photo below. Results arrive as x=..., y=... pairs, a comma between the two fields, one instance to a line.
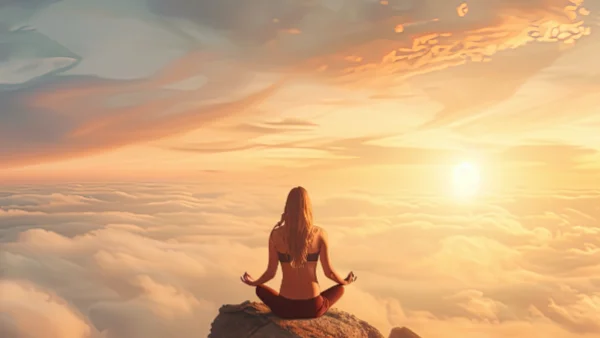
x=299, y=308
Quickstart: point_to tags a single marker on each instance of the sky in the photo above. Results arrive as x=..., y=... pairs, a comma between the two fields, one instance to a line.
x=146, y=148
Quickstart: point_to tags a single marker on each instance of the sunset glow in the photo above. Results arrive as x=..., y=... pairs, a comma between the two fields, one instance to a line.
x=466, y=179
x=451, y=150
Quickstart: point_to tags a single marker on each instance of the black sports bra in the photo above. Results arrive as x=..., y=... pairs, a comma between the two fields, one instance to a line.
x=286, y=258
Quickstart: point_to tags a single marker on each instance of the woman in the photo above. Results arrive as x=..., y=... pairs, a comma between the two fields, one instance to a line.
x=298, y=244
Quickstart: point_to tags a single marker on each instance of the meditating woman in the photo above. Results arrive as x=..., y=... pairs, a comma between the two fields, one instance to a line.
x=297, y=243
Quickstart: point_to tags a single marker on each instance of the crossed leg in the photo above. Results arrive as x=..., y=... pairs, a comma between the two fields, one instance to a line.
x=333, y=294
x=269, y=296
x=273, y=300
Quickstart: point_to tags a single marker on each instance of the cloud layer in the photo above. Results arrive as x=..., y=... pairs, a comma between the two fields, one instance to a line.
x=156, y=260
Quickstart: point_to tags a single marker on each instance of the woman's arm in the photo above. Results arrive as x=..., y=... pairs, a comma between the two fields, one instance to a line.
x=272, y=265
x=328, y=270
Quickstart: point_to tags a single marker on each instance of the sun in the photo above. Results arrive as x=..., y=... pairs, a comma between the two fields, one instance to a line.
x=466, y=179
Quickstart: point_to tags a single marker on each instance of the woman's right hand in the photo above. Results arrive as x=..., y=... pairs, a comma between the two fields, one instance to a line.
x=351, y=278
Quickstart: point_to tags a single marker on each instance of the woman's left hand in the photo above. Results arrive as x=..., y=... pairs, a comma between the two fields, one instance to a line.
x=247, y=279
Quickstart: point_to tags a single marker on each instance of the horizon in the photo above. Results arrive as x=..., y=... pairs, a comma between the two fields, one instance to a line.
x=146, y=150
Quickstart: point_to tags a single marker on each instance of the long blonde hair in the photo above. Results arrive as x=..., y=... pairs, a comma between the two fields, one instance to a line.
x=298, y=220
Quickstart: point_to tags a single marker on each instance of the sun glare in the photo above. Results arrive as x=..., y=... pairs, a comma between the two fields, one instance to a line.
x=466, y=179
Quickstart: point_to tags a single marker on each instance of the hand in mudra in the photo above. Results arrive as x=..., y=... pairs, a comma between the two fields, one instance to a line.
x=351, y=278
x=247, y=279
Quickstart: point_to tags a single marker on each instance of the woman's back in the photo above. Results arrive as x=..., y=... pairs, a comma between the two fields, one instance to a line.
x=298, y=245
x=298, y=282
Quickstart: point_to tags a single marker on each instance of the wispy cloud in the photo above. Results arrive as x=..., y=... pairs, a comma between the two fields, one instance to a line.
x=477, y=76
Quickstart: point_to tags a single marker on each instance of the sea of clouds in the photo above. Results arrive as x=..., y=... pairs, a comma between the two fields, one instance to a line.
x=158, y=260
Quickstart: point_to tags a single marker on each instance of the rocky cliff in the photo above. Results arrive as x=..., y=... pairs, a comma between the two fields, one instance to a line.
x=254, y=320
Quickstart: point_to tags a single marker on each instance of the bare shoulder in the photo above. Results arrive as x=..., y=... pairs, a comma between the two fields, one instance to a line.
x=320, y=233
x=276, y=235
x=277, y=231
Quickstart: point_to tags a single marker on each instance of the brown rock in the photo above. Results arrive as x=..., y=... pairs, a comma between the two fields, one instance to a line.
x=255, y=320
x=403, y=332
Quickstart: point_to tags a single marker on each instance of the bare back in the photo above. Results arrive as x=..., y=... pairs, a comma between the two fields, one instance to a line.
x=300, y=282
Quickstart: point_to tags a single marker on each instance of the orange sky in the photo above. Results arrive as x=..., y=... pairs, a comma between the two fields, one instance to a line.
x=146, y=148
x=510, y=86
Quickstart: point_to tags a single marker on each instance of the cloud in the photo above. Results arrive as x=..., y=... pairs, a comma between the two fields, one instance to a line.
x=359, y=151
x=376, y=150
x=246, y=137
x=365, y=150
x=557, y=157
x=201, y=55
x=453, y=42
x=291, y=122
x=29, y=56
x=581, y=315
x=28, y=311
x=94, y=132
x=476, y=304
x=149, y=260
x=102, y=26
